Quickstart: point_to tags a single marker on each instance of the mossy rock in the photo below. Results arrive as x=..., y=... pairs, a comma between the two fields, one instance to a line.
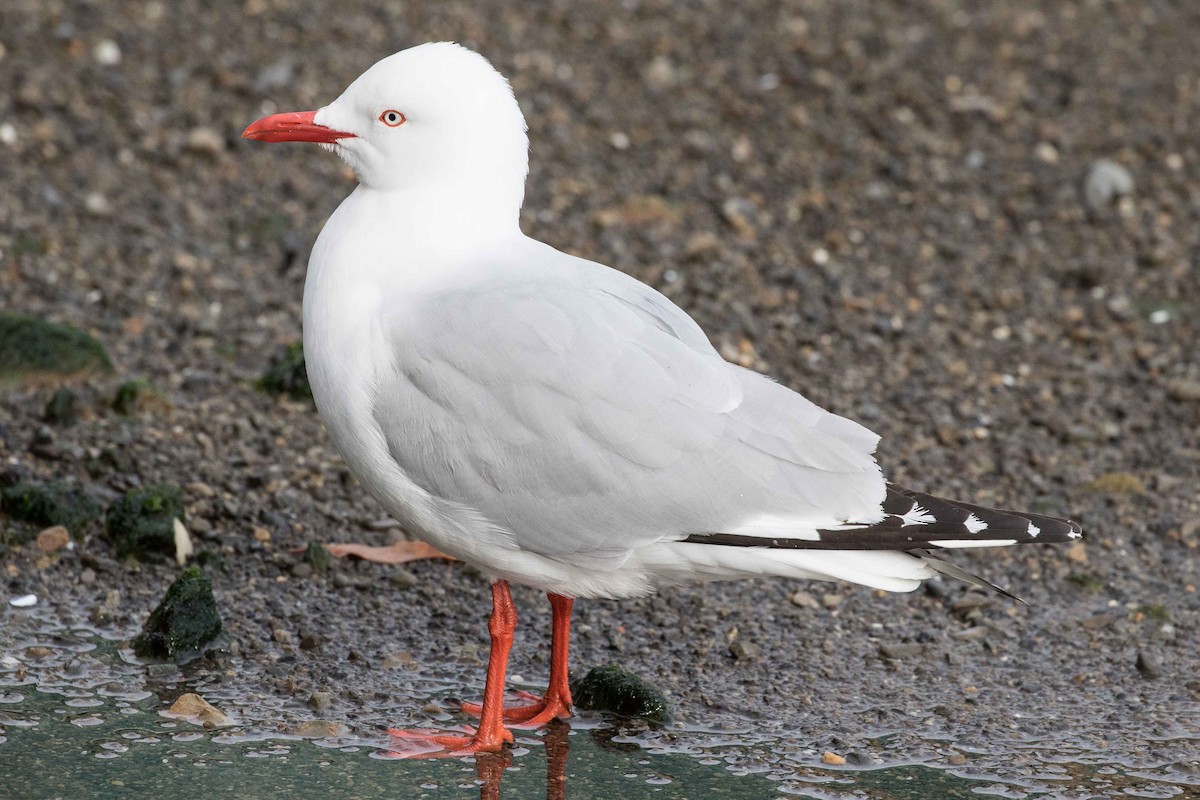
x=1117, y=483
x=184, y=622
x=143, y=521
x=617, y=690
x=60, y=410
x=46, y=504
x=32, y=348
x=287, y=374
x=316, y=556
x=136, y=395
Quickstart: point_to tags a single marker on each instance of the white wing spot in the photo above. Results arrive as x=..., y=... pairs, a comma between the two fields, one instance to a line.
x=917, y=516
x=974, y=524
x=1034, y=530
x=1075, y=535
x=974, y=542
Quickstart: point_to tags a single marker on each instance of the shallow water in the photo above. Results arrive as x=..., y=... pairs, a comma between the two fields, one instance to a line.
x=81, y=717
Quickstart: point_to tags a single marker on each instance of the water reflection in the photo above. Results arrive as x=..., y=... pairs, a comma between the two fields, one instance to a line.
x=490, y=768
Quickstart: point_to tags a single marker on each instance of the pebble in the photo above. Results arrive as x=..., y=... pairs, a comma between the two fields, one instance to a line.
x=53, y=538
x=1106, y=181
x=97, y=204
x=1183, y=389
x=402, y=658
x=403, y=579
x=205, y=141
x=107, y=53
x=901, y=650
x=831, y=601
x=196, y=709
x=24, y=601
x=970, y=602
x=1148, y=665
x=830, y=757
x=320, y=729
x=320, y=701
x=803, y=599
x=661, y=73
x=957, y=760
x=745, y=651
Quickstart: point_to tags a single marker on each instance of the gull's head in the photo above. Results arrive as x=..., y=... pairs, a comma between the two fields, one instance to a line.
x=433, y=117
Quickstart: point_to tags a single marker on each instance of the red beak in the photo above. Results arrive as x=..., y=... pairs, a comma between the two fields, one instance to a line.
x=293, y=126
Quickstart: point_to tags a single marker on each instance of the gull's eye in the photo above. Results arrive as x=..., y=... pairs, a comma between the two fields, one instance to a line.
x=392, y=118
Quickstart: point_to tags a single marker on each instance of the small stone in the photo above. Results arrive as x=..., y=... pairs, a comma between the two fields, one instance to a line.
x=832, y=758
x=205, y=141
x=1183, y=389
x=302, y=570
x=320, y=729
x=661, y=74
x=402, y=579
x=197, y=710
x=744, y=651
x=957, y=760
x=398, y=659
x=97, y=204
x=24, y=601
x=88, y=576
x=320, y=701
x=1076, y=553
x=309, y=641
x=969, y=602
x=1106, y=181
x=53, y=538
x=281, y=636
x=901, y=650
x=201, y=489
x=831, y=601
x=1148, y=665
x=261, y=535
x=803, y=599
x=107, y=53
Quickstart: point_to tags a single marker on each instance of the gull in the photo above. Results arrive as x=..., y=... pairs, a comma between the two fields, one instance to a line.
x=555, y=422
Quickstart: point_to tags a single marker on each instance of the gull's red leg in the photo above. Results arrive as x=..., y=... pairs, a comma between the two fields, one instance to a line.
x=556, y=704
x=491, y=734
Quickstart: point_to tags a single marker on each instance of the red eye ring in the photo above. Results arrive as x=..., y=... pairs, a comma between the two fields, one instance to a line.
x=392, y=118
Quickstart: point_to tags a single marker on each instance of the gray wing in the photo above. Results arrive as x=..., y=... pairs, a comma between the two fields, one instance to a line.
x=584, y=412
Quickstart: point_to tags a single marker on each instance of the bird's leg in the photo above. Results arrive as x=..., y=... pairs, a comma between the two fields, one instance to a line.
x=491, y=734
x=556, y=703
x=398, y=553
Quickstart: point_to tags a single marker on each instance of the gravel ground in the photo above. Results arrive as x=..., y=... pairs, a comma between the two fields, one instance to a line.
x=882, y=204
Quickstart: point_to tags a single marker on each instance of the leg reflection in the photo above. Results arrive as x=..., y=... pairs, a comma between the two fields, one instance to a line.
x=558, y=744
x=490, y=767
